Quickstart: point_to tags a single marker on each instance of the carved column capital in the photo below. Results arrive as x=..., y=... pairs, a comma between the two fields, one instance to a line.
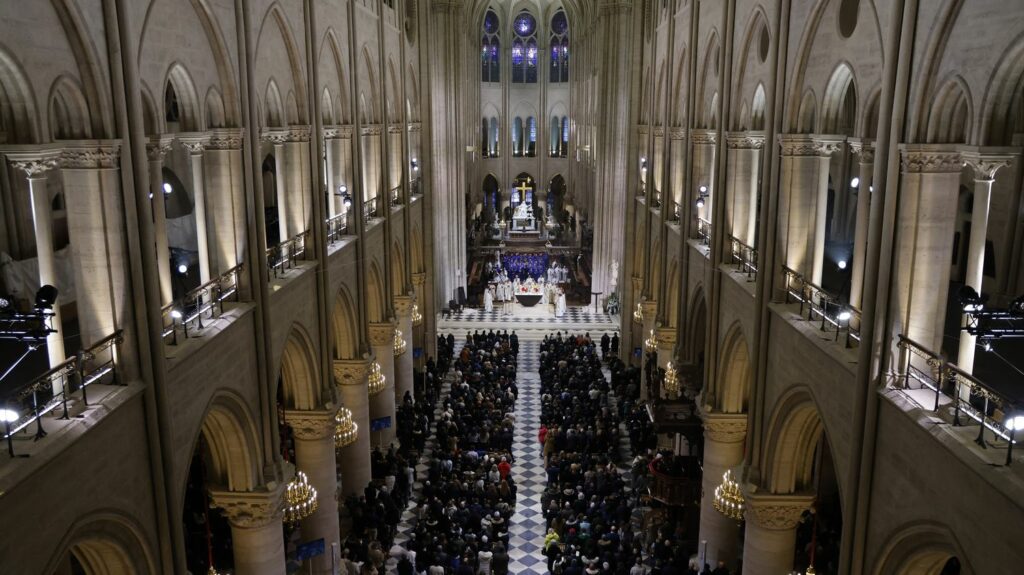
x=678, y=133
x=91, y=155
x=313, y=424
x=195, y=142
x=351, y=371
x=806, y=145
x=382, y=334
x=252, y=509
x=864, y=149
x=724, y=427
x=777, y=512
x=650, y=308
x=226, y=139
x=332, y=132
x=371, y=130
x=703, y=137
x=744, y=140
x=34, y=161
x=925, y=159
x=415, y=127
x=986, y=164
x=419, y=279
x=289, y=135
x=403, y=305
x=158, y=146
x=666, y=337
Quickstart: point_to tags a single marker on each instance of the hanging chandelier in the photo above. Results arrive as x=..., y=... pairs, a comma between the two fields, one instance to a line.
x=299, y=499
x=417, y=317
x=212, y=571
x=399, y=343
x=376, y=380
x=729, y=498
x=345, y=429
x=651, y=343
x=638, y=313
x=671, y=379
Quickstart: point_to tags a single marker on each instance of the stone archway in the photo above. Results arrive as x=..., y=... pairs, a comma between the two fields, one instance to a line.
x=103, y=544
x=922, y=548
x=733, y=386
x=299, y=378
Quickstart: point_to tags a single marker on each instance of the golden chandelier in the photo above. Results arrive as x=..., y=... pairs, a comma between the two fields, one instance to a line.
x=638, y=313
x=671, y=379
x=299, y=499
x=345, y=429
x=729, y=498
x=651, y=343
x=376, y=380
x=417, y=317
x=399, y=343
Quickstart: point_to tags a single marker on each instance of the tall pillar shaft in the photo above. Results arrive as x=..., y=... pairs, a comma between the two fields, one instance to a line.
x=195, y=146
x=354, y=460
x=705, y=143
x=256, y=538
x=925, y=225
x=803, y=201
x=741, y=204
x=650, y=308
x=157, y=147
x=314, y=455
x=281, y=189
x=403, y=363
x=865, y=151
x=332, y=150
x=769, y=542
x=724, y=434
x=224, y=189
x=382, y=342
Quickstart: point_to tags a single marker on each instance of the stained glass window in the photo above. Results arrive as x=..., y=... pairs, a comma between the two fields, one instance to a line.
x=525, y=25
x=490, y=49
x=525, y=53
x=559, y=68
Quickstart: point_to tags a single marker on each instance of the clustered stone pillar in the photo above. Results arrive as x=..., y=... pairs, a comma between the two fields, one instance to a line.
x=865, y=152
x=278, y=138
x=256, y=537
x=769, y=540
x=803, y=202
x=354, y=460
x=297, y=197
x=195, y=144
x=929, y=188
x=314, y=454
x=222, y=164
x=403, y=363
x=332, y=153
x=156, y=148
x=382, y=342
x=92, y=198
x=650, y=309
x=724, y=434
x=985, y=167
x=36, y=165
x=741, y=203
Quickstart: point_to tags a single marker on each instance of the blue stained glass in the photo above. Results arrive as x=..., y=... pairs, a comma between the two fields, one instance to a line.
x=491, y=23
x=517, y=53
x=554, y=54
x=531, y=55
x=494, y=52
x=525, y=24
x=559, y=24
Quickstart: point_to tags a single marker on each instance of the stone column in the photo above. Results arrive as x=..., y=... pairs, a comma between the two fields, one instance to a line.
x=724, y=434
x=865, y=152
x=278, y=137
x=92, y=198
x=803, y=201
x=256, y=537
x=299, y=205
x=314, y=454
x=650, y=308
x=195, y=144
x=985, y=167
x=769, y=541
x=332, y=154
x=354, y=460
x=35, y=164
x=156, y=148
x=745, y=169
x=929, y=190
x=705, y=142
x=403, y=363
x=382, y=342
x=225, y=189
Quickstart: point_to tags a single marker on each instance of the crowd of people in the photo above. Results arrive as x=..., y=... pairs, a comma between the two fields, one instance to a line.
x=468, y=495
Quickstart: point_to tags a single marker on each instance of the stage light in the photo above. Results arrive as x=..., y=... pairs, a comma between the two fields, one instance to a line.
x=855, y=182
x=841, y=264
x=703, y=189
x=871, y=188
x=970, y=300
x=1016, y=306
x=167, y=189
x=5, y=303
x=844, y=315
x=46, y=297
x=986, y=345
x=176, y=313
x=182, y=269
x=10, y=416
x=700, y=202
x=1015, y=423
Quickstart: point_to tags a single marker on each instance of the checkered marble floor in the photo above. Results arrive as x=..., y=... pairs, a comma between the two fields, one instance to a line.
x=526, y=528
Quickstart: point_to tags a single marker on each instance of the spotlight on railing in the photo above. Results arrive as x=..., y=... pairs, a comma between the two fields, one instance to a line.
x=970, y=300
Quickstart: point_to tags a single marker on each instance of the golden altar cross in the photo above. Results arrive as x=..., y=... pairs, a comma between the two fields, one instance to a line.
x=522, y=189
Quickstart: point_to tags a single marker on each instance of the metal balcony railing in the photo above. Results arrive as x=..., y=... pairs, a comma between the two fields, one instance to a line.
x=704, y=231
x=206, y=300
x=824, y=306
x=395, y=196
x=284, y=255
x=676, y=211
x=337, y=227
x=370, y=209
x=973, y=402
x=52, y=390
x=744, y=256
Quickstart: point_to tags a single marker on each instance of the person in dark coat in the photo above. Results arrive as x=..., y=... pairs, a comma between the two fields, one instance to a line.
x=499, y=561
x=615, y=345
x=605, y=345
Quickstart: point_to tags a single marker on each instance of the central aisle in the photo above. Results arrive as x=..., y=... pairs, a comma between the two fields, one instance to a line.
x=526, y=531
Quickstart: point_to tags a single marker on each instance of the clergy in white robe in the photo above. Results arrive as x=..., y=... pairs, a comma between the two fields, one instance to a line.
x=488, y=300
x=560, y=304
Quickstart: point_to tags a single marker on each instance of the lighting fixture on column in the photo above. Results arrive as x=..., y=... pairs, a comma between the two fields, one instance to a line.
x=702, y=196
x=855, y=182
x=299, y=499
x=651, y=343
x=417, y=317
x=399, y=343
x=182, y=269
x=728, y=497
x=671, y=383
x=346, y=199
x=377, y=380
x=638, y=314
x=346, y=431
x=176, y=317
x=167, y=189
x=841, y=264
x=415, y=165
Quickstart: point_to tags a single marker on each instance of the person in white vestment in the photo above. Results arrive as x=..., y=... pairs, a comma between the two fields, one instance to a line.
x=488, y=299
x=560, y=304
x=543, y=292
